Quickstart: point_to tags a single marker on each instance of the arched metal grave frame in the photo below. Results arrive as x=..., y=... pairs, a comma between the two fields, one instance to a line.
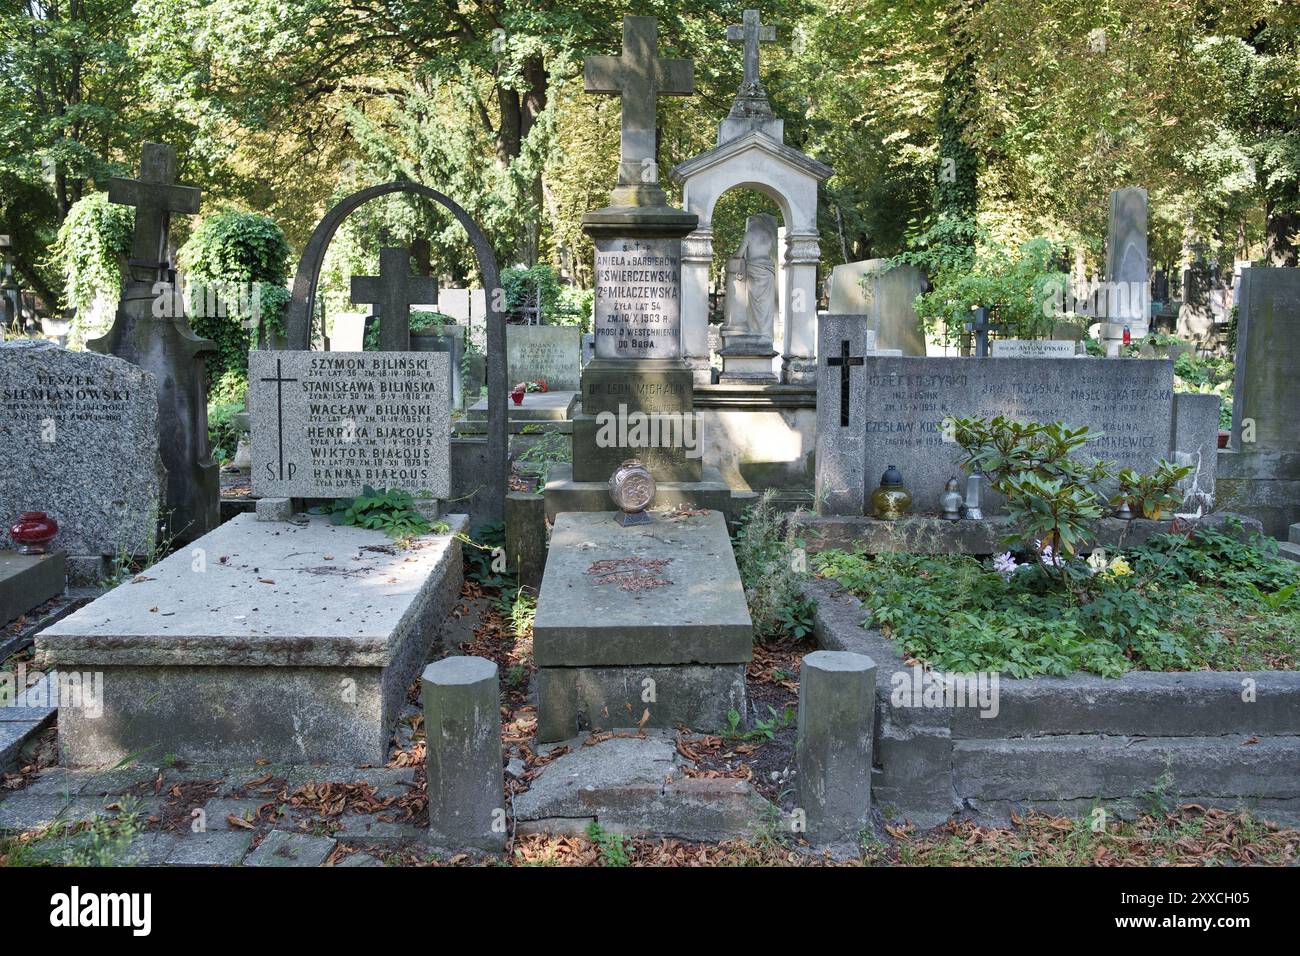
x=303, y=303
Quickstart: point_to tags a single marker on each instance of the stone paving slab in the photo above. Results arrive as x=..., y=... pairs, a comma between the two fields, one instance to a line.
x=21, y=815
x=367, y=830
x=356, y=860
x=387, y=781
x=283, y=848
x=218, y=810
x=214, y=848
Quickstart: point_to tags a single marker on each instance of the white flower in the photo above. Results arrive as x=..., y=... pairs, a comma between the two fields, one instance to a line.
x=1005, y=565
x=1097, y=561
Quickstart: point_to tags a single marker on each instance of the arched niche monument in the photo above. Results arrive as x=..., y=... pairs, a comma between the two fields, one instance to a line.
x=752, y=154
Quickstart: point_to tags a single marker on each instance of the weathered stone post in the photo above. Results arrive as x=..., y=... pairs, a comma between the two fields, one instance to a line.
x=462, y=728
x=837, y=706
x=526, y=537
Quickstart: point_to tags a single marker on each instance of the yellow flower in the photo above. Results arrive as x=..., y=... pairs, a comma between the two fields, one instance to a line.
x=1118, y=568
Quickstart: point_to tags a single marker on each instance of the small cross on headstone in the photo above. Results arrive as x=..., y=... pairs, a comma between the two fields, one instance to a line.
x=279, y=379
x=393, y=292
x=751, y=31
x=639, y=77
x=845, y=362
x=155, y=196
x=981, y=326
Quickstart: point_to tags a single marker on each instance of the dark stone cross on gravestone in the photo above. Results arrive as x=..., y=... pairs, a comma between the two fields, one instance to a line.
x=279, y=380
x=751, y=31
x=639, y=77
x=845, y=362
x=165, y=345
x=393, y=292
x=981, y=326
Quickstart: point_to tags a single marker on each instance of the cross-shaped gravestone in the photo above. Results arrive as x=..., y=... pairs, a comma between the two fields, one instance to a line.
x=165, y=345
x=393, y=292
x=155, y=196
x=279, y=379
x=981, y=326
x=751, y=32
x=639, y=76
x=845, y=362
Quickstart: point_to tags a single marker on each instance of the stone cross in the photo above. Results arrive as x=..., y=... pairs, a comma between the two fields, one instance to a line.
x=155, y=196
x=845, y=362
x=981, y=326
x=639, y=77
x=751, y=32
x=393, y=292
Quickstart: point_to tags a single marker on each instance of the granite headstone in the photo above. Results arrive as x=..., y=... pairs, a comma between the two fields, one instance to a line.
x=79, y=440
x=875, y=411
x=326, y=424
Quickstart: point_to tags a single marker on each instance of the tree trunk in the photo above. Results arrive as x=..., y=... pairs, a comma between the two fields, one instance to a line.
x=1280, y=231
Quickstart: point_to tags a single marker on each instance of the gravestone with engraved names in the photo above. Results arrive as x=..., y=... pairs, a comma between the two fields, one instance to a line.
x=79, y=440
x=328, y=424
x=874, y=411
x=549, y=353
x=638, y=368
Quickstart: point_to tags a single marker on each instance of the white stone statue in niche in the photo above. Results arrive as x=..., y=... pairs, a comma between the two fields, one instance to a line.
x=752, y=288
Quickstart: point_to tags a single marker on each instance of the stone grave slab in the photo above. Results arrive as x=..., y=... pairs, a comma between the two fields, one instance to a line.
x=552, y=406
x=1033, y=348
x=262, y=640
x=326, y=424
x=619, y=606
x=28, y=581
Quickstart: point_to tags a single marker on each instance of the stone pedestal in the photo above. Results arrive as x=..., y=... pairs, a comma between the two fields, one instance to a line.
x=647, y=621
x=837, y=709
x=747, y=359
x=462, y=722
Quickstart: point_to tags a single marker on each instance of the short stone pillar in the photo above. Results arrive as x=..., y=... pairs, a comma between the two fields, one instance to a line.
x=837, y=707
x=526, y=537
x=462, y=733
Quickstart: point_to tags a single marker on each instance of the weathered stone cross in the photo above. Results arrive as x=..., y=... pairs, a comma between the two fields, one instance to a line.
x=751, y=32
x=155, y=196
x=845, y=364
x=639, y=76
x=393, y=292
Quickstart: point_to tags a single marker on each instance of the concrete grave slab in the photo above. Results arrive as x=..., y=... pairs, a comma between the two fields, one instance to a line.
x=262, y=641
x=282, y=848
x=664, y=592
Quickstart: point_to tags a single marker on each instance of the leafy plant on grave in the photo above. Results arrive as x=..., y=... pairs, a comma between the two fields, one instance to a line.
x=762, y=730
x=771, y=559
x=1053, y=496
x=1150, y=495
x=485, y=556
x=551, y=449
x=613, y=851
x=391, y=511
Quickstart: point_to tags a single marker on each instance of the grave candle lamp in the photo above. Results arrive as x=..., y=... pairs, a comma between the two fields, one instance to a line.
x=892, y=499
x=33, y=532
x=950, y=500
x=632, y=488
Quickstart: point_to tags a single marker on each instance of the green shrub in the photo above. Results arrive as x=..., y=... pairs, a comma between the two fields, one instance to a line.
x=243, y=258
x=90, y=249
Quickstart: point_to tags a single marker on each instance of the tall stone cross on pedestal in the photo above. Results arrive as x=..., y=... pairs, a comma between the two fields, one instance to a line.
x=155, y=197
x=393, y=292
x=639, y=77
x=150, y=330
x=751, y=31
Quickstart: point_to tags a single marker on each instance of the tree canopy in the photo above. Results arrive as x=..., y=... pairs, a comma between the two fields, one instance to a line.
x=1019, y=115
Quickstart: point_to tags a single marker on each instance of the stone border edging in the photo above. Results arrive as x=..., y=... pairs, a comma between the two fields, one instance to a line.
x=1068, y=741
